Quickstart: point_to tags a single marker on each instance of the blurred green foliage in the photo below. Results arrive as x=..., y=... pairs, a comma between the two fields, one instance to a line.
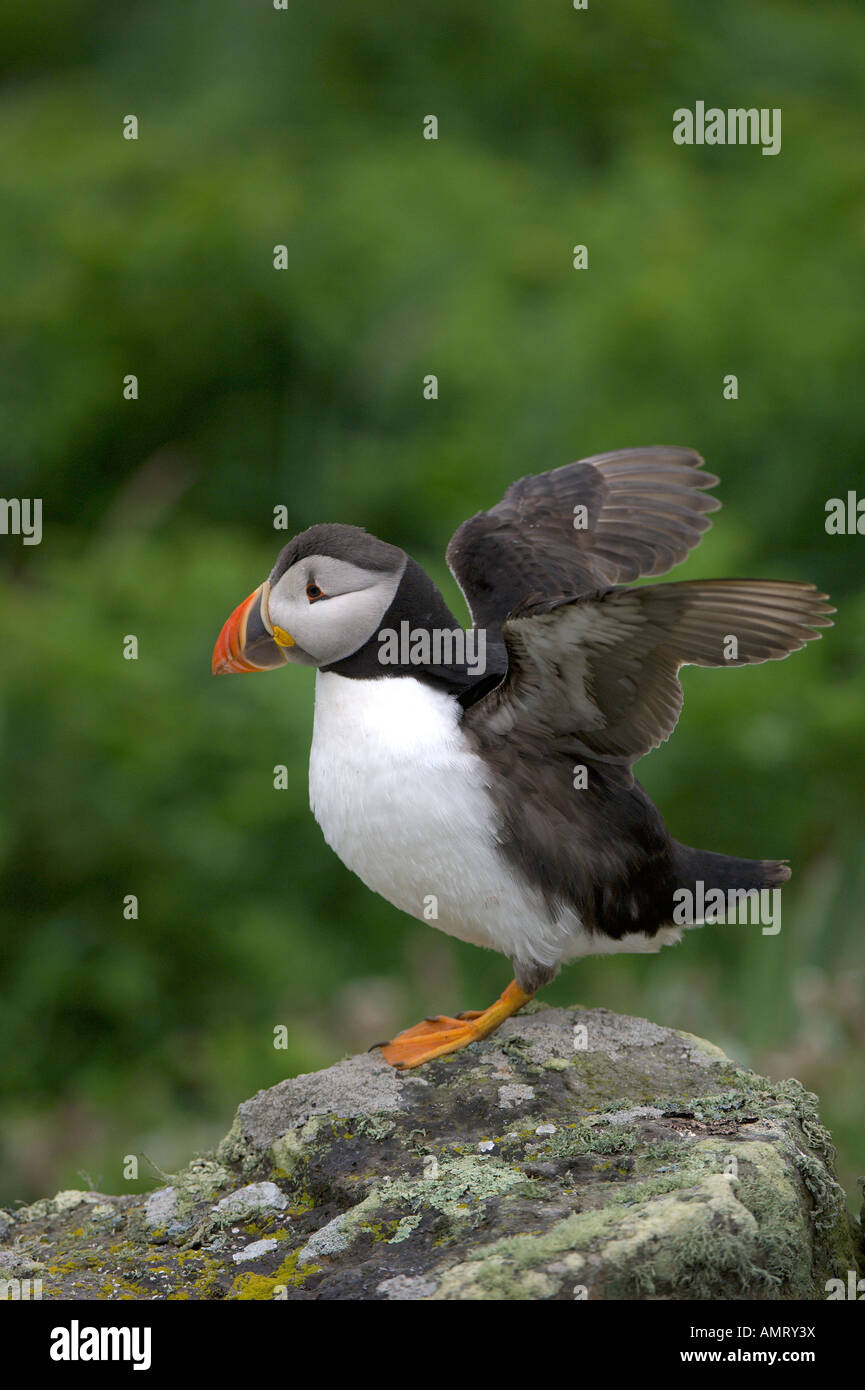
x=304, y=387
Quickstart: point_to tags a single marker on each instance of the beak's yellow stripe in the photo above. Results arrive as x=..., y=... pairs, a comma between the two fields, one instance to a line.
x=282, y=638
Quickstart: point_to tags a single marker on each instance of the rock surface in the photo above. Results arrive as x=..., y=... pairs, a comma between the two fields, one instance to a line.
x=575, y=1154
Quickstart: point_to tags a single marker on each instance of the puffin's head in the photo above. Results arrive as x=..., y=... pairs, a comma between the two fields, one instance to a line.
x=326, y=596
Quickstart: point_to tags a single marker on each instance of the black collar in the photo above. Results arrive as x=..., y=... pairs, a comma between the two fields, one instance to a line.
x=418, y=602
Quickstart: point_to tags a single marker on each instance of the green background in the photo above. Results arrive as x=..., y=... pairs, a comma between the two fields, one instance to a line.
x=304, y=388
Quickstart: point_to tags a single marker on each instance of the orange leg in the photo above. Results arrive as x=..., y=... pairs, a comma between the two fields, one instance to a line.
x=436, y=1036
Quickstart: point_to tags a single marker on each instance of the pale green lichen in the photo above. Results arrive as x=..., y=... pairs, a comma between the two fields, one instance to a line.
x=592, y=1139
x=404, y=1229
x=726, y=1234
x=375, y=1126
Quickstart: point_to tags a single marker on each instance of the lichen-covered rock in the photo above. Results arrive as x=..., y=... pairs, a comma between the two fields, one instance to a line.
x=575, y=1154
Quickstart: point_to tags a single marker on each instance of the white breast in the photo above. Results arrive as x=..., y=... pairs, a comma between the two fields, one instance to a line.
x=403, y=802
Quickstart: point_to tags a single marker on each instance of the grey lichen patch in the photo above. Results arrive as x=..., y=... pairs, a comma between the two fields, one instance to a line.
x=15, y=1265
x=511, y=1097
x=590, y=1137
x=287, y=1151
x=57, y=1205
x=404, y=1229
x=628, y=1114
x=169, y=1213
x=160, y=1207
x=234, y=1152
x=793, y=1100
x=254, y=1251
x=201, y=1181
x=373, y=1126
x=827, y=1194
x=405, y=1288
x=460, y=1188
x=256, y=1199
x=496, y=1280
x=338, y=1234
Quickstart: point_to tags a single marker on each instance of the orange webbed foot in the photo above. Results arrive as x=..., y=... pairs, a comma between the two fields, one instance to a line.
x=436, y=1037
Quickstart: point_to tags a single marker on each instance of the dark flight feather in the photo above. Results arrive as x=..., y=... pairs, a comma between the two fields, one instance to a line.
x=598, y=675
x=645, y=509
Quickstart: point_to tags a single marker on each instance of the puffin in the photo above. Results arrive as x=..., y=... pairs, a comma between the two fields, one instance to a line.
x=482, y=779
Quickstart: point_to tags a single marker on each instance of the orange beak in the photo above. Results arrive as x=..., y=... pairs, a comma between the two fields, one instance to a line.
x=248, y=641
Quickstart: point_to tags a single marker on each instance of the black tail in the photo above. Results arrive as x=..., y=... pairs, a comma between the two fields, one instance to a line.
x=723, y=871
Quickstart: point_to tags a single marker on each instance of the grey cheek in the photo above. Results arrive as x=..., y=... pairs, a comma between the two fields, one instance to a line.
x=300, y=657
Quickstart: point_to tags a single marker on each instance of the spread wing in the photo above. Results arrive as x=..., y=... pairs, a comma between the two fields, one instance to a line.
x=598, y=675
x=603, y=520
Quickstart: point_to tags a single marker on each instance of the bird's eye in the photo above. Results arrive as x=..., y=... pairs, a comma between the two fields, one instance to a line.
x=313, y=592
